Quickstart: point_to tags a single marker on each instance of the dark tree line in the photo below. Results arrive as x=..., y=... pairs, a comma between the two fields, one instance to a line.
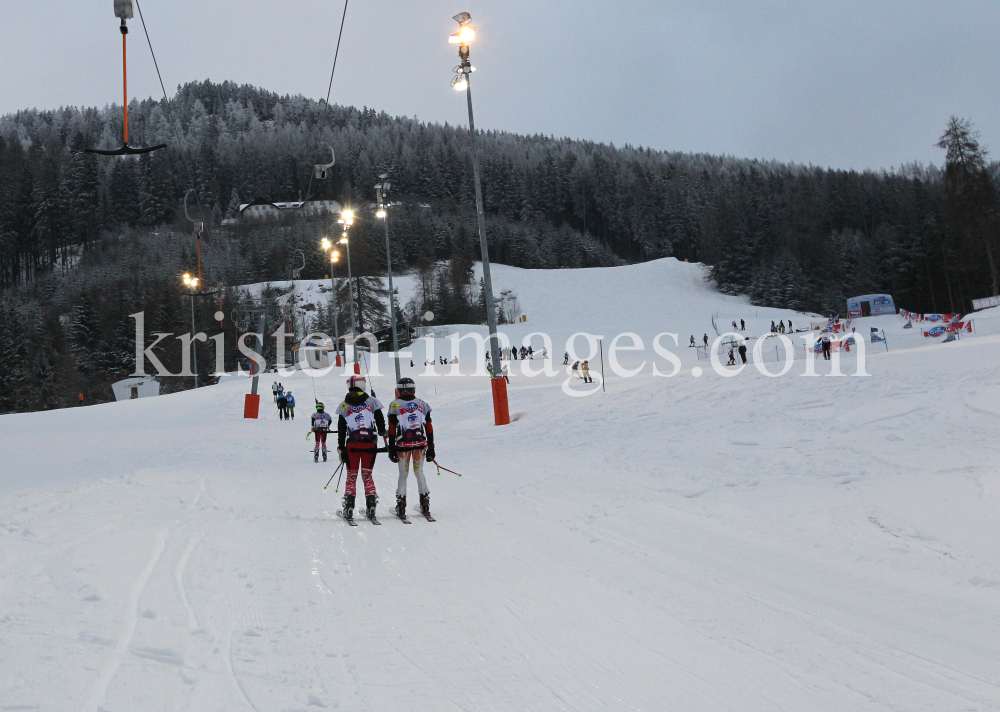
x=85, y=241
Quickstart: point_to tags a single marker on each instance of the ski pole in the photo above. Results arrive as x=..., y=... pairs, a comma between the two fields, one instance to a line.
x=334, y=475
x=445, y=469
x=341, y=475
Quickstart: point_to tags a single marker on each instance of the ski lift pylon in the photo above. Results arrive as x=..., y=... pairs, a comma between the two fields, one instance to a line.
x=124, y=10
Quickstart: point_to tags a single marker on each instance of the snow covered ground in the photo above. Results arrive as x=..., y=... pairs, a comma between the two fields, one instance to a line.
x=684, y=543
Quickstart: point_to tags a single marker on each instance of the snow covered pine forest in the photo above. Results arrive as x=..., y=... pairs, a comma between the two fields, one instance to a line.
x=673, y=543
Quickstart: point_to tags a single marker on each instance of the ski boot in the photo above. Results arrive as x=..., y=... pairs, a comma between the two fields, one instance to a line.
x=371, y=500
x=324, y=454
x=316, y=455
x=401, y=505
x=425, y=504
x=348, y=506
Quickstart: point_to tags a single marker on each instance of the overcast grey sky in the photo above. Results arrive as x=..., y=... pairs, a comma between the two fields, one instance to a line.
x=844, y=83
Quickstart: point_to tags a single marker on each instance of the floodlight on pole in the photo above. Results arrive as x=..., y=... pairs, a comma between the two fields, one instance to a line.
x=381, y=193
x=347, y=219
x=465, y=36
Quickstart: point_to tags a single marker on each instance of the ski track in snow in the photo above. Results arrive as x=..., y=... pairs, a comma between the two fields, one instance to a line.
x=745, y=544
x=96, y=697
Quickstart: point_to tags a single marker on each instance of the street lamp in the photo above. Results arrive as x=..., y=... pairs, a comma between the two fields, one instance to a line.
x=381, y=191
x=192, y=283
x=347, y=219
x=334, y=259
x=465, y=36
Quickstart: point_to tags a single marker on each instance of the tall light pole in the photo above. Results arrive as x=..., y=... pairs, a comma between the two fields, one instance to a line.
x=347, y=219
x=381, y=191
x=334, y=259
x=465, y=36
x=193, y=283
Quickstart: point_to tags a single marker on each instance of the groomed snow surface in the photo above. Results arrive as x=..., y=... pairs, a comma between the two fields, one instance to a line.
x=684, y=543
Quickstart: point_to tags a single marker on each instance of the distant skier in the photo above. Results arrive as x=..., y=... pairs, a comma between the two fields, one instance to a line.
x=566, y=359
x=586, y=372
x=359, y=423
x=743, y=326
x=826, y=346
x=692, y=341
x=274, y=391
x=321, y=421
x=545, y=354
x=790, y=326
x=411, y=442
x=576, y=369
x=289, y=406
x=732, y=358
x=743, y=352
x=282, y=405
x=705, y=339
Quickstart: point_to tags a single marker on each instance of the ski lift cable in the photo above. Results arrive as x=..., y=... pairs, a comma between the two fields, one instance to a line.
x=329, y=89
x=187, y=168
x=336, y=53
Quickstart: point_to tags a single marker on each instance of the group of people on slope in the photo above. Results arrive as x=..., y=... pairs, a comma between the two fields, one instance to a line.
x=704, y=341
x=360, y=422
x=285, y=402
x=780, y=328
x=742, y=327
x=512, y=353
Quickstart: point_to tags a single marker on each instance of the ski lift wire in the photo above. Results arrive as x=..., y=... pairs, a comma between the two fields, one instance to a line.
x=187, y=168
x=336, y=53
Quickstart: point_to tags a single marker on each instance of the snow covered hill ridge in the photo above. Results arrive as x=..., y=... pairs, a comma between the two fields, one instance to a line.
x=687, y=543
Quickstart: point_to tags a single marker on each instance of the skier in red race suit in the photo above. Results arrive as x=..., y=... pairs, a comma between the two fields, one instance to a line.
x=320, y=427
x=359, y=423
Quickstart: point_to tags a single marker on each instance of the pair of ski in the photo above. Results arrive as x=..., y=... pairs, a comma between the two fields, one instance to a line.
x=406, y=519
x=374, y=520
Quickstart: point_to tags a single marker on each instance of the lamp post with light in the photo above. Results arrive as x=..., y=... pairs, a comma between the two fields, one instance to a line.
x=465, y=36
x=381, y=192
x=334, y=259
x=347, y=219
x=192, y=283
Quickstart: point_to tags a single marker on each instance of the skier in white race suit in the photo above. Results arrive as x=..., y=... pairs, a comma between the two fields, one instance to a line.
x=411, y=442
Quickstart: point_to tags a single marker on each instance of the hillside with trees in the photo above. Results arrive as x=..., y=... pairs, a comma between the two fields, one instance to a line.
x=85, y=240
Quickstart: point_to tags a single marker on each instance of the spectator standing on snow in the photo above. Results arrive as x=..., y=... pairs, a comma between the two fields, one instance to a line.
x=289, y=406
x=789, y=326
x=274, y=391
x=282, y=405
x=586, y=372
x=743, y=326
x=743, y=352
x=705, y=339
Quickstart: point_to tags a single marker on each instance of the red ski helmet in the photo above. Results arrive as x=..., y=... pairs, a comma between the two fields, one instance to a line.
x=358, y=382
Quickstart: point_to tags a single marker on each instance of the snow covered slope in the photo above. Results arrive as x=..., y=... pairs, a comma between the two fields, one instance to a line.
x=684, y=543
